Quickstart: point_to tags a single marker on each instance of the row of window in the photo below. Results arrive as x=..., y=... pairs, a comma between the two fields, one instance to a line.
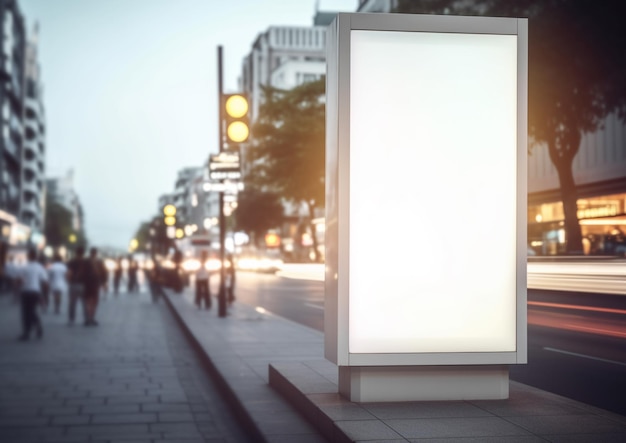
x=299, y=37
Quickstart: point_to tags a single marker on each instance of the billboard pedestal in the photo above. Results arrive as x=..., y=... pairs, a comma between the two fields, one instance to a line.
x=420, y=383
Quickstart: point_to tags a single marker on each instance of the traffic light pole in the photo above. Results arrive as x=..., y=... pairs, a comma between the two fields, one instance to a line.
x=221, y=297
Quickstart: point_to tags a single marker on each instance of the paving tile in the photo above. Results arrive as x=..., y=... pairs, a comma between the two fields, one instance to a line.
x=455, y=427
x=170, y=417
x=125, y=418
x=427, y=409
x=69, y=420
x=111, y=409
x=169, y=407
x=367, y=429
x=569, y=424
x=108, y=384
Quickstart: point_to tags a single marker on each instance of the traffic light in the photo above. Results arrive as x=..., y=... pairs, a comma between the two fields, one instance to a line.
x=169, y=215
x=236, y=118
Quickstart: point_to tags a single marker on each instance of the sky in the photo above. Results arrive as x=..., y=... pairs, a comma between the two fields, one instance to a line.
x=130, y=92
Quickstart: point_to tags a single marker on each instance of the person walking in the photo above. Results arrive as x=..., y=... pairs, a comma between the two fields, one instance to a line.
x=133, y=269
x=94, y=278
x=45, y=293
x=33, y=280
x=76, y=279
x=117, y=276
x=57, y=274
x=203, y=292
x=230, y=279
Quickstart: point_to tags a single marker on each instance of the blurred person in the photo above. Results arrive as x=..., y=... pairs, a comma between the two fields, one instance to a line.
x=10, y=276
x=117, y=275
x=203, y=291
x=33, y=280
x=76, y=279
x=45, y=294
x=230, y=279
x=133, y=269
x=57, y=274
x=95, y=279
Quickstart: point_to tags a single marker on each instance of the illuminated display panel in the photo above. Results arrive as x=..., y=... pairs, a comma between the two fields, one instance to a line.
x=433, y=186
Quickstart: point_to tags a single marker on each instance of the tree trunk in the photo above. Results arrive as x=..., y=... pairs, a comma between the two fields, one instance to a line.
x=562, y=152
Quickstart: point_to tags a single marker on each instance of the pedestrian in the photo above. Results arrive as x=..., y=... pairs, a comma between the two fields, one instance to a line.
x=76, y=279
x=45, y=294
x=33, y=280
x=133, y=268
x=95, y=279
x=203, y=291
x=57, y=274
x=10, y=275
x=230, y=278
x=117, y=275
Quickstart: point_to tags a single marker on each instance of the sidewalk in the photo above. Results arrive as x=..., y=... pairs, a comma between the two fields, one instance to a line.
x=273, y=367
x=134, y=378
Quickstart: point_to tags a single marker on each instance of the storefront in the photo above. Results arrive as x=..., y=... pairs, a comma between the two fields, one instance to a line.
x=602, y=221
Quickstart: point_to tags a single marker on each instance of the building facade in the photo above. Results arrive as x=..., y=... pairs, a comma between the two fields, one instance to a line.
x=12, y=69
x=34, y=145
x=285, y=57
x=600, y=175
x=61, y=190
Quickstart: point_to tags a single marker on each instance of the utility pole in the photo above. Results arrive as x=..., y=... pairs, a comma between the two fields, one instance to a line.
x=221, y=296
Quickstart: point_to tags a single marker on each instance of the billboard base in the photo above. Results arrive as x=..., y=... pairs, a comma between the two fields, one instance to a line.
x=362, y=384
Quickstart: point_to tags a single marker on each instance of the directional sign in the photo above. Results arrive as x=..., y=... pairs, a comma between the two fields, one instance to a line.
x=224, y=166
x=232, y=187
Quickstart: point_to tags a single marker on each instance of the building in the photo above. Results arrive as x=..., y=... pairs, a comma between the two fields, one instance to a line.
x=34, y=146
x=197, y=208
x=285, y=57
x=12, y=67
x=600, y=175
x=61, y=190
x=377, y=5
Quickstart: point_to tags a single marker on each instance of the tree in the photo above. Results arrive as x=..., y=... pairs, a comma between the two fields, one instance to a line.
x=257, y=212
x=288, y=144
x=576, y=72
x=58, y=225
x=142, y=235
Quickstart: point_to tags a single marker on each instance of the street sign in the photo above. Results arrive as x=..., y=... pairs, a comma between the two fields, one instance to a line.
x=224, y=166
x=232, y=187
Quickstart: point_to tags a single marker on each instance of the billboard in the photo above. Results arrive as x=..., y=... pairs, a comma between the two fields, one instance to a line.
x=426, y=143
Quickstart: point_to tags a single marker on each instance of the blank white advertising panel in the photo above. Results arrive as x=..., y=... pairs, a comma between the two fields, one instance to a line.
x=433, y=185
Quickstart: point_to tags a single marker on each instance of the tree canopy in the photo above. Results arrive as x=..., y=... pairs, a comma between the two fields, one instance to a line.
x=58, y=225
x=576, y=72
x=289, y=136
x=257, y=212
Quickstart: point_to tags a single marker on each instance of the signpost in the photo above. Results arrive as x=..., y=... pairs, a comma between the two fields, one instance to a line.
x=224, y=166
x=442, y=313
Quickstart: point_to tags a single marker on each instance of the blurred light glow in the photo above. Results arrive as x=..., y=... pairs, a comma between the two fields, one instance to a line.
x=236, y=106
x=238, y=131
x=169, y=210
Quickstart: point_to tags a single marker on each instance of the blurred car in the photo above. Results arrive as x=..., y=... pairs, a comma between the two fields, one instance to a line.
x=259, y=263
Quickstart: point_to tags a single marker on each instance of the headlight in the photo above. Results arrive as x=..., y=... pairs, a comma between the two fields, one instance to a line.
x=191, y=265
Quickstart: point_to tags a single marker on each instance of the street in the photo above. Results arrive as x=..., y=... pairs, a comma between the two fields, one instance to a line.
x=576, y=340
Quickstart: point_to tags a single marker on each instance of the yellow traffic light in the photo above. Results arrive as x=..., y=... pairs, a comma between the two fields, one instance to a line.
x=236, y=106
x=169, y=210
x=236, y=116
x=237, y=132
x=180, y=233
